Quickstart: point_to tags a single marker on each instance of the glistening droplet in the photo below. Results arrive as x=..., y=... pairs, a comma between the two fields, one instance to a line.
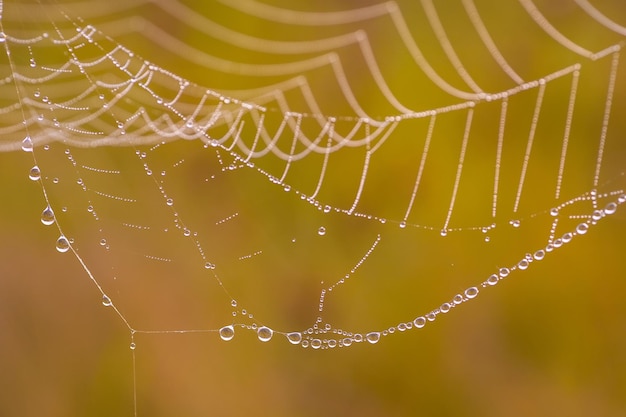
x=47, y=216
x=321, y=231
x=62, y=245
x=106, y=301
x=264, y=334
x=294, y=338
x=34, y=173
x=27, y=144
x=227, y=333
x=372, y=337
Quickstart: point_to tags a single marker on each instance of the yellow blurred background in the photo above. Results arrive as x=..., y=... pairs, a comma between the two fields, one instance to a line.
x=549, y=341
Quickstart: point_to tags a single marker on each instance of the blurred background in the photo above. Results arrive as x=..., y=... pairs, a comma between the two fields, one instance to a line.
x=548, y=341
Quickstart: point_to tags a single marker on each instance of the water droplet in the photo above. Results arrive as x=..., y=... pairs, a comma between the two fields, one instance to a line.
x=431, y=316
x=169, y=202
x=264, y=334
x=419, y=322
x=523, y=264
x=326, y=209
x=106, y=301
x=209, y=265
x=515, y=223
x=471, y=292
x=493, y=279
x=402, y=327
x=315, y=343
x=3, y=37
x=321, y=231
x=554, y=212
x=34, y=173
x=62, y=245
x=287, y=188
x=597, y=215
x=610, y=208
x=227, y=333
x=47, y=216
x=347, y=341
x=233, y=303
x=443, y=232
x=103, y=242
x=27, y=144
x=539, y=255
x=294, y=337
x=504, y=272
x=402, y=224
x=132, y=346
x=567, y=237
x=445, y=307
x=582, y=228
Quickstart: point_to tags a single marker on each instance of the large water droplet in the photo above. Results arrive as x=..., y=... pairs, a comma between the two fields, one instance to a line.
x=294, y=338
x=493, y=279
x=321, y=231
x=610, y=208
x=227, y=333
x=264, y=334
x=27, y=144
x=47, y=216
x=471, y=292
x=372, y=337
x=419, y=322
x=315, y=343
x=62, y=245
x=34, y=173
x=582, y=228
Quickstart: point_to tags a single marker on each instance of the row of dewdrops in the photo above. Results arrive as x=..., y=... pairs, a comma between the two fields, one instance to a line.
x=327, y=337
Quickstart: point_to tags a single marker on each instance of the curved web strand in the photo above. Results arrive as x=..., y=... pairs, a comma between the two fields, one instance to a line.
x=482, y=31
x=600, y=17
x=440, y=32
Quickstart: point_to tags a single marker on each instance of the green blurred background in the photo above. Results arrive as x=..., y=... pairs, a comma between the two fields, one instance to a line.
x=551, y=341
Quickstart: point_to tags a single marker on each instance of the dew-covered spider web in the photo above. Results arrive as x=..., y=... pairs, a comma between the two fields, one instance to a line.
x=242, y=198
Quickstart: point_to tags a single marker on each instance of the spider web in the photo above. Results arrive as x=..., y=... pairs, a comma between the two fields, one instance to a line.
x=325, y=177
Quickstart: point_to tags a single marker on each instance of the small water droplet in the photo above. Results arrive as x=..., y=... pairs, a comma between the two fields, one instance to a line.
x=47, y=216
x=27, y=144
x=326, y=209
x=515, y=223
x=294, y=337
x=233, y=303
x=264, y=334
x=419, y=322
x=169, y=202
x=132, y=345
x=315, y=343
x=103, y=242
x=493, y=279
x=445, y=307
x=504, y=272
x=554, y=212
x=523, y=264
x=471, y=292
x=62, y=245
x=321, y=231
x=106, y=301
x=227, y=333
x=443, y=232
x=582, y=228
x=539, y=255
x=402, y=224
x=209, y=265
x=34, y=173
